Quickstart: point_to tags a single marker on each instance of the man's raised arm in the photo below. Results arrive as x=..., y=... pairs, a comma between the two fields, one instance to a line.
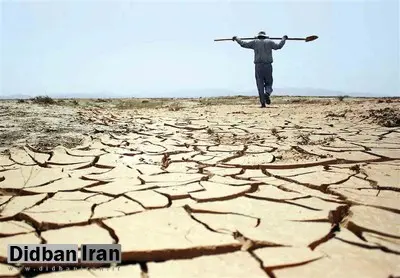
x=276, y=46
x=243, y=44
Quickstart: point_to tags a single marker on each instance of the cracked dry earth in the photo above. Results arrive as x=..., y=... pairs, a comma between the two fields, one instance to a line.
x=225, y=192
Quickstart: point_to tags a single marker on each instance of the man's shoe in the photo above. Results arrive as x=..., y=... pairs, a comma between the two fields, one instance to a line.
x=267, y=99
x=262, y=106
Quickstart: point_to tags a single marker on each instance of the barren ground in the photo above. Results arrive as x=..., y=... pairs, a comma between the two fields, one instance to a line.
x=308, y=187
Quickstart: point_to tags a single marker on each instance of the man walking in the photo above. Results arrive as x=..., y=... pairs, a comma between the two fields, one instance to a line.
x=263, y=63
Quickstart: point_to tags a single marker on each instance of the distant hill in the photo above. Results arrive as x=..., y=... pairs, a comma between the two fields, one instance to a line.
x=65, y=95
x=277, y=91
x=14, y=96
x=320, y=92
x=314, y=92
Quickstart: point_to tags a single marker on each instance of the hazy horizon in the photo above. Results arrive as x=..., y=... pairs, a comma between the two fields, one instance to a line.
x=206, y=93
x=139, y=49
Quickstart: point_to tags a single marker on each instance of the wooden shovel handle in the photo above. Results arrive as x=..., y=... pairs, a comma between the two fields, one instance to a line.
x=307, y=39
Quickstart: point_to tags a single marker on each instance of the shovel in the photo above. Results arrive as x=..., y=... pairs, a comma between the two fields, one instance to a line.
x=307, y=39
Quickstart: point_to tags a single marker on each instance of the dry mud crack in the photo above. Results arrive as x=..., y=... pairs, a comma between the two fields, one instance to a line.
x=239, y=194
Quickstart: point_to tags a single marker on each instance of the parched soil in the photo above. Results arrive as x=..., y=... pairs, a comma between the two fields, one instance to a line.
x=308, y=187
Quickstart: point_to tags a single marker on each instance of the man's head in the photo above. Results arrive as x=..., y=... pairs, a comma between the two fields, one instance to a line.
x=261, y=35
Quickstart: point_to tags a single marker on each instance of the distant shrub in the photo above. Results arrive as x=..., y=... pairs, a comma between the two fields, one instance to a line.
x=204, y=101
x=341, y=98
x=43, y=100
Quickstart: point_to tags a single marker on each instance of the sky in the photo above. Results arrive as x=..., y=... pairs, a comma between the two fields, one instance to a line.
x=167, y=48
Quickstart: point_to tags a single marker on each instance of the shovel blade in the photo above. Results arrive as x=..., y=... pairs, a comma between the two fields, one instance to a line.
x=311, y=38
